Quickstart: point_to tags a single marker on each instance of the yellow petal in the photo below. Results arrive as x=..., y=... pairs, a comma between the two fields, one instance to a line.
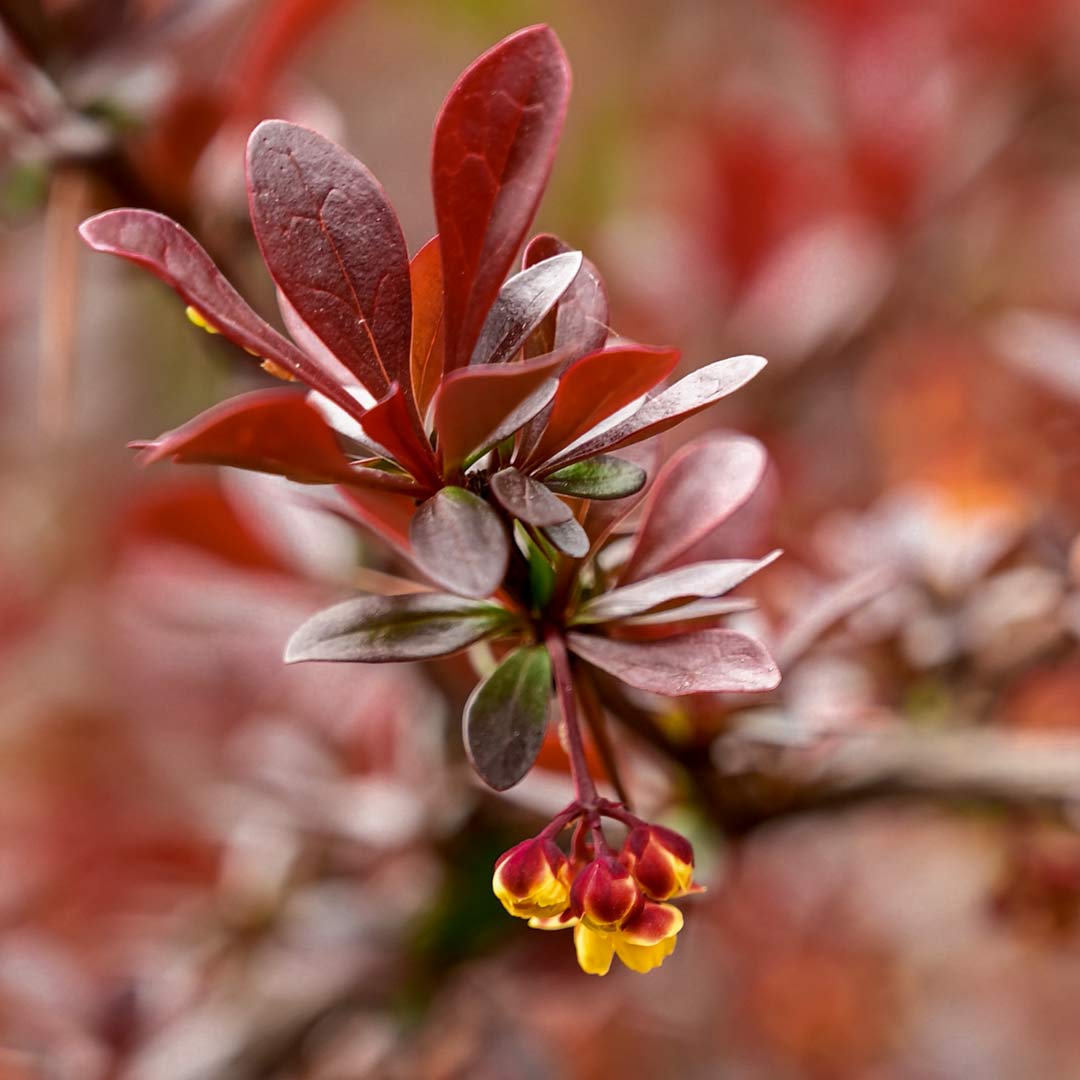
x=594, y=950
x=553, y=922
x=642, y=958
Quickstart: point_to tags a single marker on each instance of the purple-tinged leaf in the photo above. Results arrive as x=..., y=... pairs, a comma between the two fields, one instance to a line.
x=604, y=517
x=832, y=605
x=506, y=717
x=709, y=661
x=697, y=581
x=334, y=247
x=579, y=322
x=601, y=477
x=460, y=543
x=382, y=629
x=478, y=407
x=521, y=305
x=270, y=431
x=569, y=538
x=695, y=492
x=672, y=406
x=681, y=620
x=596, y=386
x=495, y=140
x=528, y=500
x=385, y=514
x=388, y=424
x=428, y=351
x=172, y=254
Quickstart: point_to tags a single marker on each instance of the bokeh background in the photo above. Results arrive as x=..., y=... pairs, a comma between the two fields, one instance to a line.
x=215, y=867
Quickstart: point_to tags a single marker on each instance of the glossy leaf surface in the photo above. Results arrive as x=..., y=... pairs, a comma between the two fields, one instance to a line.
x=569, y=537
x=506, y=717
x=378, y=629
x=601, y=477
x=579, y=322
x=495, y=140
x=460, y=543
x=333, y=245
x=527, y=499
x=428, y=349
x=695, y=492
x=596, y=386
x=697, y=581
x=521, y=304
x=271, y=431
x=479, y=406
x=709, y=661
x=672, y=406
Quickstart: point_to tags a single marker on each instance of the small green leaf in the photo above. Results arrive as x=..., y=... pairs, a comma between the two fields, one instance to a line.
x=506, y=716
x=378, y=629
x=601, y=477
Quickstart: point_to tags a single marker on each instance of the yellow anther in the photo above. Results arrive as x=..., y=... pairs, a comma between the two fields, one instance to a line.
x=277, y=371
x=199, y=320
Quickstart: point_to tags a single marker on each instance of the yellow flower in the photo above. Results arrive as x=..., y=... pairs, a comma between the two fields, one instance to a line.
x=532, y=879
x=642, y=943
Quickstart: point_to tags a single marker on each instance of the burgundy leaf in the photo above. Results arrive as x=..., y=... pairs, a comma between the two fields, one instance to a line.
x=495, y=140
x=521, y=305
x=694, y=493
x=579, y=322
x=506, y=717
x=460, y=543
x=388, y=424
x=596, y=386
x=682, y=620
x=380, y=629
x=569, y=537
x=601, y=477
x=271, y=431
x=479, y=406
x=672, y=406
x=709, y=661
x=386, y=514
x=334, y=247
x=428, y=349
x=172, y=254
x=699, y=580
x=527, y=499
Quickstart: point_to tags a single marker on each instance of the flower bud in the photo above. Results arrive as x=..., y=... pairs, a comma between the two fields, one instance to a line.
x=604, y=894
x=661, y=861
x=532, y=879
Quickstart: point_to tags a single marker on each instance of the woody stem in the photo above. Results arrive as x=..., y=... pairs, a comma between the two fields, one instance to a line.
x=584, y=788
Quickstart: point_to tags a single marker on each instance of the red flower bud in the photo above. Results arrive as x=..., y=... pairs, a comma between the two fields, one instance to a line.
x=532, y=879
x=661, y=861
x=604, y=894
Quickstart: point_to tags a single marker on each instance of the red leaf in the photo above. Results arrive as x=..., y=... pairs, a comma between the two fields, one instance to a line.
x=460, y=543
x=596, y=386
x=709, y=661
x=428, y=348
x=579, y=322
x=695, y=492
x=172, y=254
x=495, y=140
x=521, y=305
x=387, y=422
x=527, y=499
x=479, y=406
x=696, y=581
x=672, y=406
x=386, y=514
x=273, y=431
x=334, y=247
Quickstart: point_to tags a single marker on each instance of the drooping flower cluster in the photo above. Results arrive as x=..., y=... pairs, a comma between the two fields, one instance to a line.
x=616, y=904
x=469, y=420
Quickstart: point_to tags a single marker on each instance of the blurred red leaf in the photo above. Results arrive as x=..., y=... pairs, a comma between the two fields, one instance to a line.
x=428, y=349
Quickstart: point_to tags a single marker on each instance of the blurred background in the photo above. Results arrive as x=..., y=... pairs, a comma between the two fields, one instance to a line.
x=212, y=866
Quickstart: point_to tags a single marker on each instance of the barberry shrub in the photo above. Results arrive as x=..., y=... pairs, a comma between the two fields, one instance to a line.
x=473, y=418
